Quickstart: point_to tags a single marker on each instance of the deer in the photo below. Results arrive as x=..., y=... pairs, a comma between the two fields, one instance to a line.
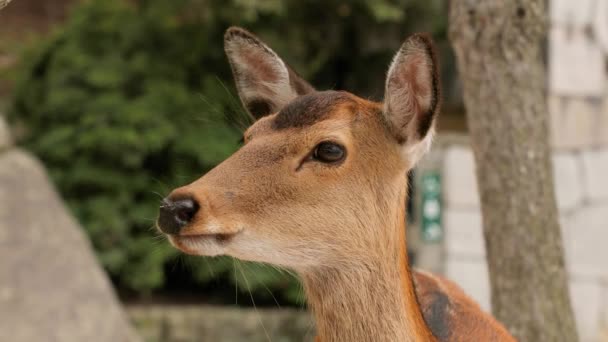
x=319, y=187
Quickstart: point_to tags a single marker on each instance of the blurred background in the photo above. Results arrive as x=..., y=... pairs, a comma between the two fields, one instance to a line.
x=120, y=101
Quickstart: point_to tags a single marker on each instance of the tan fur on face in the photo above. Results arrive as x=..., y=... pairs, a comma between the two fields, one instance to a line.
x=267, y=190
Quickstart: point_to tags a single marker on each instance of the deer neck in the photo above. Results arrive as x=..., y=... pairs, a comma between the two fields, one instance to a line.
x=370, y=299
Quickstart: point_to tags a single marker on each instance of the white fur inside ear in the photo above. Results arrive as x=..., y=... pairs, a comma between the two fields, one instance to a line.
x=409, y=79
x=409, y=89
x=413, y=153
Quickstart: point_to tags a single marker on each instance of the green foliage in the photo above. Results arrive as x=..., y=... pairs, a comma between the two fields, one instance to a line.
x=127, y=101
x=113, y=106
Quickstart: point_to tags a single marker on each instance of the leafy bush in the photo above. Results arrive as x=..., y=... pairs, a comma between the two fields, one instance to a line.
x=113, y=106
x=128, y=100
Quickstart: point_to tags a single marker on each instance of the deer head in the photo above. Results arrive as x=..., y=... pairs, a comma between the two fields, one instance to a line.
x=321, y=177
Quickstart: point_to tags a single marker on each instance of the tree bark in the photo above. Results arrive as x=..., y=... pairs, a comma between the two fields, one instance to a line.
x=3, y=3
x=499, y=46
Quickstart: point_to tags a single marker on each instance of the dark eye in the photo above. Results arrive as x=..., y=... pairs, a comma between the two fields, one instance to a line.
x=328, y=152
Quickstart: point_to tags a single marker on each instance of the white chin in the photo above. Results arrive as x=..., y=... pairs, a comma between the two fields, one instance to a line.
x=204, y=245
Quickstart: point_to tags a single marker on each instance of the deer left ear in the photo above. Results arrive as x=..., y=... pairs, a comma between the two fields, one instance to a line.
x=265, y=83
x=412, y=95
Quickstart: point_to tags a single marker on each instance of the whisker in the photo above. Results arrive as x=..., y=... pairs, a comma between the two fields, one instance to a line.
x=209, y=267
x=266, y=287
x=236, y=283
x=237, y=108
x=157, y=194
x=254, y=306
x=176, y=262
x=164, y=185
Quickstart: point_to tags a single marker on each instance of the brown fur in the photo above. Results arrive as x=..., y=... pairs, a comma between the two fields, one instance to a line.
x=341, y=227
x=310, y=108
x=451, y=314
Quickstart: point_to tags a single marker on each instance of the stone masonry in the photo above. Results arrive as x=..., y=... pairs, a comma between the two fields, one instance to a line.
x=194, y=323
x=578, y=108
x=582, y=196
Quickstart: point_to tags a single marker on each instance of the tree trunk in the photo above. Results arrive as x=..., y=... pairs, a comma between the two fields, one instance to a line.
x=499, y=46
x=3, y=3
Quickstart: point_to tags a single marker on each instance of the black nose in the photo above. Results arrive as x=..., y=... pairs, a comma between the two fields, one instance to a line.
x=175, y=214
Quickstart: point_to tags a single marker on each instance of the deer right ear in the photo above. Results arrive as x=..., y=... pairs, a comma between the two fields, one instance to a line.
x=264, y=82
x=412, y=95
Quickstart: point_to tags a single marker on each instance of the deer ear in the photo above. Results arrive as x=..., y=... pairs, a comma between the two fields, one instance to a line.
x=264, y=82
x=412, y=95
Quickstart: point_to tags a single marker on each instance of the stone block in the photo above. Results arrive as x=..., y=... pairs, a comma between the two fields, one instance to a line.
x=472, y=276
x=576, y=63
x=567, y=178
x=585, y=241
x=570, y=13
x=172, y=323
x=5, y=136
x=595, y=175
x=601, y=134
x=572, y=122
x=459, y=179
x=600, y=24
x=463, y=233
x=599, y=129
x=604, y=313
x=586, y=297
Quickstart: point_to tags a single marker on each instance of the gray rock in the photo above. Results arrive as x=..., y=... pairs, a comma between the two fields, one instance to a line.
x=51, y=286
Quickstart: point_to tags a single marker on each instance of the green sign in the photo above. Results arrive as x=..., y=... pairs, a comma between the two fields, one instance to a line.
x=432, y=230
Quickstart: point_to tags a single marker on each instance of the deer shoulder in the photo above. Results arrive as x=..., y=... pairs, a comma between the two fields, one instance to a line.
x=452, y=315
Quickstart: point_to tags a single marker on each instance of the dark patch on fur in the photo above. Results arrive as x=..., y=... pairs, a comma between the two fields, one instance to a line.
x=435, y=306
x=436, y=315
x=309, y=109
x=259, y=108
x=426, y=120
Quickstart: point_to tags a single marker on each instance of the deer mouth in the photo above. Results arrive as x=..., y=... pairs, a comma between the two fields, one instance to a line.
x=202, y=244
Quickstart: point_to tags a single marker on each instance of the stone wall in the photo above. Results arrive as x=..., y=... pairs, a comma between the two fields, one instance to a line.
x=578, y=107
x=194, y=323
x=582, y=196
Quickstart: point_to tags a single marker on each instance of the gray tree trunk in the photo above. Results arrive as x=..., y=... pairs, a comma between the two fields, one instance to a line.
x=499, y=46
